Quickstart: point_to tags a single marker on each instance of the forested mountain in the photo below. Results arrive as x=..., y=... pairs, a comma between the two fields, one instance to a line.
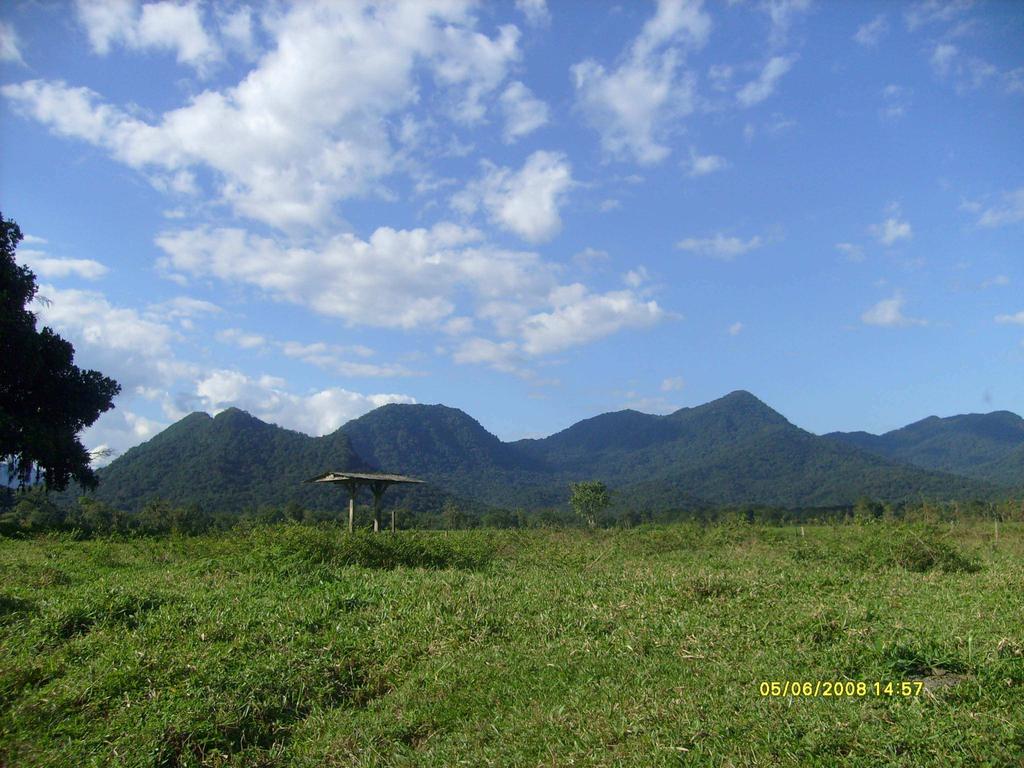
x=734, y=450
x=987, y=446
x=228, y=462
x=451, y=449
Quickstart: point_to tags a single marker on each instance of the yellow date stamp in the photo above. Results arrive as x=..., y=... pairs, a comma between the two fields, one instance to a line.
x=846, y=689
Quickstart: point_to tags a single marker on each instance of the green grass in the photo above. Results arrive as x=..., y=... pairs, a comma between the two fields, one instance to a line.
x=646, y=647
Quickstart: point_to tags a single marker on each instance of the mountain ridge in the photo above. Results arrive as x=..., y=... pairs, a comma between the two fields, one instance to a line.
x=732, y=450
x=984, y=446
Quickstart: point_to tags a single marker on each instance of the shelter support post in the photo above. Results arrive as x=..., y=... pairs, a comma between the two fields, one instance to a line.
x=352, y=507
x=378, y=487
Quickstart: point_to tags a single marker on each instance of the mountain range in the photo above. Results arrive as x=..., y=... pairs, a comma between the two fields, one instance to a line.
x=986, y=446
x=734, y=450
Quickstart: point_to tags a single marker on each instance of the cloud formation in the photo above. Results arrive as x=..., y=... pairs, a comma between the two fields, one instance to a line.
x=634, y=105
x=313, y=124
x=764, y=85
x=10, y=46
x=720, y=246
x=888, y=313
x=267, y=397
x=892, y=230
x=524, y=113
x=525, y=202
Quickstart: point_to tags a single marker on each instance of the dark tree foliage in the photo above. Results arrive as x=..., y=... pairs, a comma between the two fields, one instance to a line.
x=589, y=499
x=45, y=399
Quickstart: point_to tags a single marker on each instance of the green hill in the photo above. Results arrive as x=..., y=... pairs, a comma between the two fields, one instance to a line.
x=734, y=450
x=986, y=446
x=228, y=462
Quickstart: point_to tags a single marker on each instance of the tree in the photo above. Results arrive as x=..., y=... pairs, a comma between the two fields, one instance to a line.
x=45, y=399
x=451, y=515
x=589, y=499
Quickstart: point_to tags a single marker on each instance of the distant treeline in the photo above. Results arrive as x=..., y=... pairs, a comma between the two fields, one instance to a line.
x=33, y=511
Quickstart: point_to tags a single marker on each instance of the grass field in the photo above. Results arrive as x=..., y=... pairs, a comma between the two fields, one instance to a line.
x=301, y=646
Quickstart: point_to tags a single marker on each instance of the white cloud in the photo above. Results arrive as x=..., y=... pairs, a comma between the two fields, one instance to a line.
x=122, y=343
x=942, y=57
x=241, y=339
x=736, y=328
x=181, y=308
x=870, y=33
x=701, y=165
x=313, y=123
x=1017, y=319
x=967, y=72
x=636, y=104
x=106, y=22
x=318, y=413
x=673, y=384
x=998, y=280
x=893, y=229
x=634, y=278
x=333, y=357
x=237, y=30
x=852, y=251
x=502, y=356
x=579, y=317
x=118, y=430
x=782, y=13
x=589, y=257
x=764, y=86
x=1010, y=212
x=609, y=204
x=535, y=11
x=1014, y=80
x=458, y=326
x=896, y=100
x=51, y=267
x=395, y=279
x=172, y=26
x=889, y=313
x=10, y=49
x=524, y=113
x=525, y=202
x=576, y=317
x=720, y=246
x=935, y=12
x=476, y=63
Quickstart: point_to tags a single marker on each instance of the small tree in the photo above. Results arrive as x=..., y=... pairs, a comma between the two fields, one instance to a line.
x=451, y=515
x=294, y=511
x=589, y=499
x=867, y=510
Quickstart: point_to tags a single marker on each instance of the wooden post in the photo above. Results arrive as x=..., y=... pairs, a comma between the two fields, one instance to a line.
x=351, y=507
x=378, y=491
x=392, y=519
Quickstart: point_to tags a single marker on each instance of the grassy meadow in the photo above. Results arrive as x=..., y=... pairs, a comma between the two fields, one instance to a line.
x=289, y=645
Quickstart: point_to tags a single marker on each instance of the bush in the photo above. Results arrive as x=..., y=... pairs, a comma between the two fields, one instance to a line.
x=295, y=549
x=915, y=548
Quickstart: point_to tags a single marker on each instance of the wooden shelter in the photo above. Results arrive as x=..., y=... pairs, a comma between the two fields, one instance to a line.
x=378, y=482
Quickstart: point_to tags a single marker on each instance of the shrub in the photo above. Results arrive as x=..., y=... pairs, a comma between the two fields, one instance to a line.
x=296, y=548
x=915, y=548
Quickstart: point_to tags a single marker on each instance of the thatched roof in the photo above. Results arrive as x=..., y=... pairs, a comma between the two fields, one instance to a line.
x=362, y=477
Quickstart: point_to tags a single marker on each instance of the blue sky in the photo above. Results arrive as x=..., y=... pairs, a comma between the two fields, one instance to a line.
x=533, y=212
